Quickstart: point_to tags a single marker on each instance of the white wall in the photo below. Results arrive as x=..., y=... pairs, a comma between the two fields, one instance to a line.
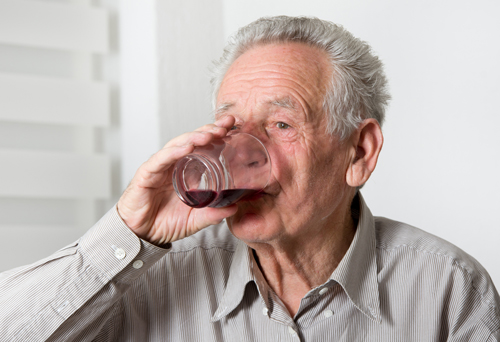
x=439, y=168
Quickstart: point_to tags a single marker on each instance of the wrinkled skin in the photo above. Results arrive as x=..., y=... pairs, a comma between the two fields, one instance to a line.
x=276, y=93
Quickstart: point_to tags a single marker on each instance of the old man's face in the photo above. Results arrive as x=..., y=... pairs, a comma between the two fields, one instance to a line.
x=276, y=92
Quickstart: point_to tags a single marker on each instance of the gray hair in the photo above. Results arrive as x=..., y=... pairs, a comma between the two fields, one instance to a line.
x=358, y=86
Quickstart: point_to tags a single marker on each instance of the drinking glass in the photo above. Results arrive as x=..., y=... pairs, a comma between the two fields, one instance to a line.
x=235, y=168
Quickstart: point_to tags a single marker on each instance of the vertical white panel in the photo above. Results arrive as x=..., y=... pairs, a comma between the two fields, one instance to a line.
x=190, y=38
x=139, y=84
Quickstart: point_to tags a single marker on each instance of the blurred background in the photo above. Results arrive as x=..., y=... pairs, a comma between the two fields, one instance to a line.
x=89, y=89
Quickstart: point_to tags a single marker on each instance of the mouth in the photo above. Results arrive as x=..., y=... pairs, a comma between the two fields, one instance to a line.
x=254, y=195
x=251, y=195
x=271, y=190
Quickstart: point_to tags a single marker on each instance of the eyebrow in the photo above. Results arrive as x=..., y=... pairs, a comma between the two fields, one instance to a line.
x=224, y=107
x=285, y=102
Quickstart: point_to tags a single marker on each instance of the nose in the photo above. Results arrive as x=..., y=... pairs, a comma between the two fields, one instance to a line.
x=256, y=159
x=246, y=151
x=254, y=129
x=250, y=166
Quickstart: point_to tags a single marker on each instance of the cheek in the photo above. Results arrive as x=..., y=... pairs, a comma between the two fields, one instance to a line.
x=285, y=162
x=322, y=168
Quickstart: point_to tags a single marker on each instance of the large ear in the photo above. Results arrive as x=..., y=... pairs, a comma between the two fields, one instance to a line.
x=366, y=143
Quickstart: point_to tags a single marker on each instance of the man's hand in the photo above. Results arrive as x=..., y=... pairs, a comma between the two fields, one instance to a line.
x=150, y=207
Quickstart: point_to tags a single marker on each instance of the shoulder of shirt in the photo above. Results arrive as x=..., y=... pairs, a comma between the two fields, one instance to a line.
x=393, y=235
x=216, y=236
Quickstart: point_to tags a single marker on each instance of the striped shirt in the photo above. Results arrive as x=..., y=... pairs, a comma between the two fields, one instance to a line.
x=395, y=283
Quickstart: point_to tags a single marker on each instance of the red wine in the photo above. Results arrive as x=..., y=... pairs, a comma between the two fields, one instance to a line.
x=202, y=198
x=199, y=198
x=228, y=197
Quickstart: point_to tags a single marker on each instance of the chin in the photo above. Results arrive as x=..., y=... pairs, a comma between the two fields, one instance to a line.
x=249, y=226
x=255, y=221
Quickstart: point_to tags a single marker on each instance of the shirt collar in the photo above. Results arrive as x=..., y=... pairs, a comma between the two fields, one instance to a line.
x=240, y=274
x=356, y=272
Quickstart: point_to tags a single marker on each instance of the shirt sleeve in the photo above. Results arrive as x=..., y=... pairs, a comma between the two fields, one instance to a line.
x=60, y=297
x=475, y=310
x=494, y=337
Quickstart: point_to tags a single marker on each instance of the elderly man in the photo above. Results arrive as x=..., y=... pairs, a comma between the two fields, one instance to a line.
x=305, y=262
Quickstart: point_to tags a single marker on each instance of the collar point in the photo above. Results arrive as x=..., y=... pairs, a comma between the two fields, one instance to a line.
x=221, y=312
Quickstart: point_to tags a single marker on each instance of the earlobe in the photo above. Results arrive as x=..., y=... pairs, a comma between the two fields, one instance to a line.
x=367, y=143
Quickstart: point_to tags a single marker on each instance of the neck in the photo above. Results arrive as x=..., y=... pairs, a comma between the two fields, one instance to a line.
x=292, y=267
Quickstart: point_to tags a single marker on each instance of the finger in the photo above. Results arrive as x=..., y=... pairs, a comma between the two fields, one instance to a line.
x=195, y=138
x=220, y=127
x=184, y=144
x=166, y=157
x=217, y=131
x=211, y=216
x=213, y=131
x=227, y=121
x=208, y=128
x=173, y=151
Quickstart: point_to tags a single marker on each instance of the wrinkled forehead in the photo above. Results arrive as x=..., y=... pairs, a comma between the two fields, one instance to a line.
x=291, y=76
x=306, y=62
x=285, y=102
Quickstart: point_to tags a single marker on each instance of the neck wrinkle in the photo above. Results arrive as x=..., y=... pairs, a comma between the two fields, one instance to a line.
x=293, y=269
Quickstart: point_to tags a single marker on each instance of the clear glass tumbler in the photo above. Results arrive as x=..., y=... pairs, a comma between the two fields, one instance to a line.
x=237, y=167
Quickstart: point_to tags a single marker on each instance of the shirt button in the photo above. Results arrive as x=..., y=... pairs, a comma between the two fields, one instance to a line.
x=323, y=290
x=62, y=306
x=265, y=311
x=120, y=253
x=328, y=313
x=137, y=264
x=291, y=331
